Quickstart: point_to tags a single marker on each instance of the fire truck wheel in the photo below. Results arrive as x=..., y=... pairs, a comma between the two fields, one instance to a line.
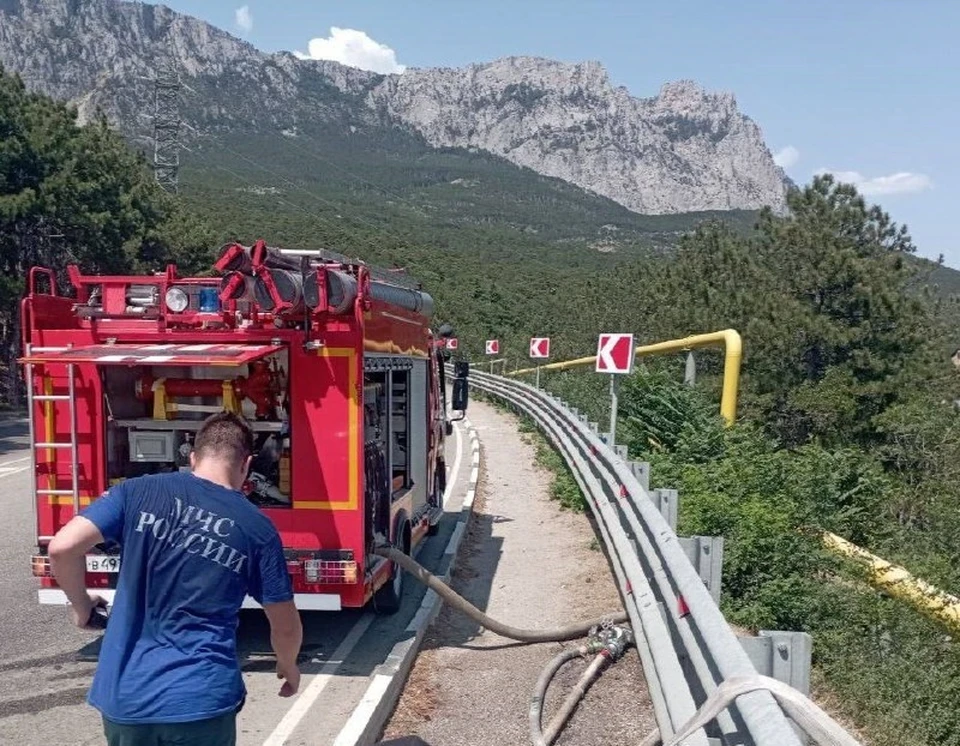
x=387, y=599
x=439, y=488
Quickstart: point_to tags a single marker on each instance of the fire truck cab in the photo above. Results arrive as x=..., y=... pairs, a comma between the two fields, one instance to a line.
x=332, y=362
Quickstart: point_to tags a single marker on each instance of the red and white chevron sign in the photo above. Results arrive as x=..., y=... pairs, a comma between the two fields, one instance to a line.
x=493, y=346
x=540, y=348
x=615, y=353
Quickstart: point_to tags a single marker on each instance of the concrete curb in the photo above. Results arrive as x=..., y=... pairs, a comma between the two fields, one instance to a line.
x=386, y=683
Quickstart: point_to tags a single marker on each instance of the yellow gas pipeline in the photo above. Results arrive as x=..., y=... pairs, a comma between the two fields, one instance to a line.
x=733, y=354
x=899, y=583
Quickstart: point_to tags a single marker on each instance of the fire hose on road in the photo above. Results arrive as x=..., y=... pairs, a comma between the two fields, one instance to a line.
x=571, y=632
x=608, y=642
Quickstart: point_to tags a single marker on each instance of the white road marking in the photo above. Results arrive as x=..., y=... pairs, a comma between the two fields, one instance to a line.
x=15, y=461
x=9, y=472
x=361, y=715
x=455, y=471
x=308, y=697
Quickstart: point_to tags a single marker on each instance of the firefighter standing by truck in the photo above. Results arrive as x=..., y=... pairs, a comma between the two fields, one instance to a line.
x=192, y=547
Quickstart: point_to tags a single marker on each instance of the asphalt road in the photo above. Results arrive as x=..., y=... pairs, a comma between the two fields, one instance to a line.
x=46, y=664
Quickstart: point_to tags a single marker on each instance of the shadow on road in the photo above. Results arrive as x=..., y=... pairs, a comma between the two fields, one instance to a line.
x=32, y=705
x=14, y=435
x=472, y=578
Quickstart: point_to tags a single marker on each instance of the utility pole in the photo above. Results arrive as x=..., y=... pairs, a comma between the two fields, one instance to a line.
x=166, y=127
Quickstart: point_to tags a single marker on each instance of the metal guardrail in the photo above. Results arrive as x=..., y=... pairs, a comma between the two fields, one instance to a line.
x=686, y=646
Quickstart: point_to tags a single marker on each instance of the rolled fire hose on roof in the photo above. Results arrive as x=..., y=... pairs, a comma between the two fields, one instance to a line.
x=570, y=632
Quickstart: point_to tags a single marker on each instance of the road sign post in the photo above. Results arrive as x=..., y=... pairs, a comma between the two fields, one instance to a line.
x=613, y=409
x=614, y=356
x=539, y=350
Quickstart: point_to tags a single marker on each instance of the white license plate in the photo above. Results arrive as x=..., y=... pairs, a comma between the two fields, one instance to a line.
x=103, y=563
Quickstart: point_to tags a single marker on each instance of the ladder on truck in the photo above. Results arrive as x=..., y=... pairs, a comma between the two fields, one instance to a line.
x=49, y=442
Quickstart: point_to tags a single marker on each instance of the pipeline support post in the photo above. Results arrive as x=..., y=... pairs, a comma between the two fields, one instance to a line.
x=690, y=370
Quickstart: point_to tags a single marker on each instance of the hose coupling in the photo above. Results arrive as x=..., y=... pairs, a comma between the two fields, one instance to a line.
x=615, y=640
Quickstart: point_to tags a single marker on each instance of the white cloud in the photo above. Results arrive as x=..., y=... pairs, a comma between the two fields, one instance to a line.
x=354, y=48
x=786, y=157
x=244, y=19
x=902, y=182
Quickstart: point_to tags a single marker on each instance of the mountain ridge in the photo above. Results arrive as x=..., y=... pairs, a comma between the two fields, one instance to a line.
x=682, y=150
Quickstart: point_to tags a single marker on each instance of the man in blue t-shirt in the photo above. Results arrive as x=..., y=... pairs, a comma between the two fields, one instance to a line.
x=192, y=547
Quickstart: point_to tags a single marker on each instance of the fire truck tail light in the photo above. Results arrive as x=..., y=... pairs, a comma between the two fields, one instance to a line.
x=41, y=566
x=329, y=571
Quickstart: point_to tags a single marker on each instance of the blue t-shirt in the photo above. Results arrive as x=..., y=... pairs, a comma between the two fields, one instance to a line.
x=191, y=550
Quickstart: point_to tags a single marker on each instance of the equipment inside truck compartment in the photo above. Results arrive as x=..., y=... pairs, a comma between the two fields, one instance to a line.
x=154, y=412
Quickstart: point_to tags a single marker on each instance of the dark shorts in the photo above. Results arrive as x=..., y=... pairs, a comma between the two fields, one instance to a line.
x=218, y=731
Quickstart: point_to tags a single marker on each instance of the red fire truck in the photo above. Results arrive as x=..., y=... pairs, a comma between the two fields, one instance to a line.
x=332, y=361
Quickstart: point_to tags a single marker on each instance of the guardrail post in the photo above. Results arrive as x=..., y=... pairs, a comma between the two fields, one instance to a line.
x=641, y=470
x=706, y=555
x=667, y=502
x=784, y=656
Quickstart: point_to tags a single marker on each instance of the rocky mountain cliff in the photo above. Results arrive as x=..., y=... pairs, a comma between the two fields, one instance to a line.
x=682, y=150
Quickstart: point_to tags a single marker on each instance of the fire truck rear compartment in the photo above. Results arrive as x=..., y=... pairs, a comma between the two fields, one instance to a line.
x=154, y=412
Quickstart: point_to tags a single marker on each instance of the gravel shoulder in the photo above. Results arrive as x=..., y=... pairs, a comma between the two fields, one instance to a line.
x=529, y=563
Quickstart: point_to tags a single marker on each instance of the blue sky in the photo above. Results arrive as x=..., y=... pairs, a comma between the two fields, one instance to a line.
x=864, y=87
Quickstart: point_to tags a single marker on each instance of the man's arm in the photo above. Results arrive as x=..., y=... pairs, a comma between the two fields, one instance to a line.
x=101, y=520
x=286, y=636
x=272, y=588
x=67, y=551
